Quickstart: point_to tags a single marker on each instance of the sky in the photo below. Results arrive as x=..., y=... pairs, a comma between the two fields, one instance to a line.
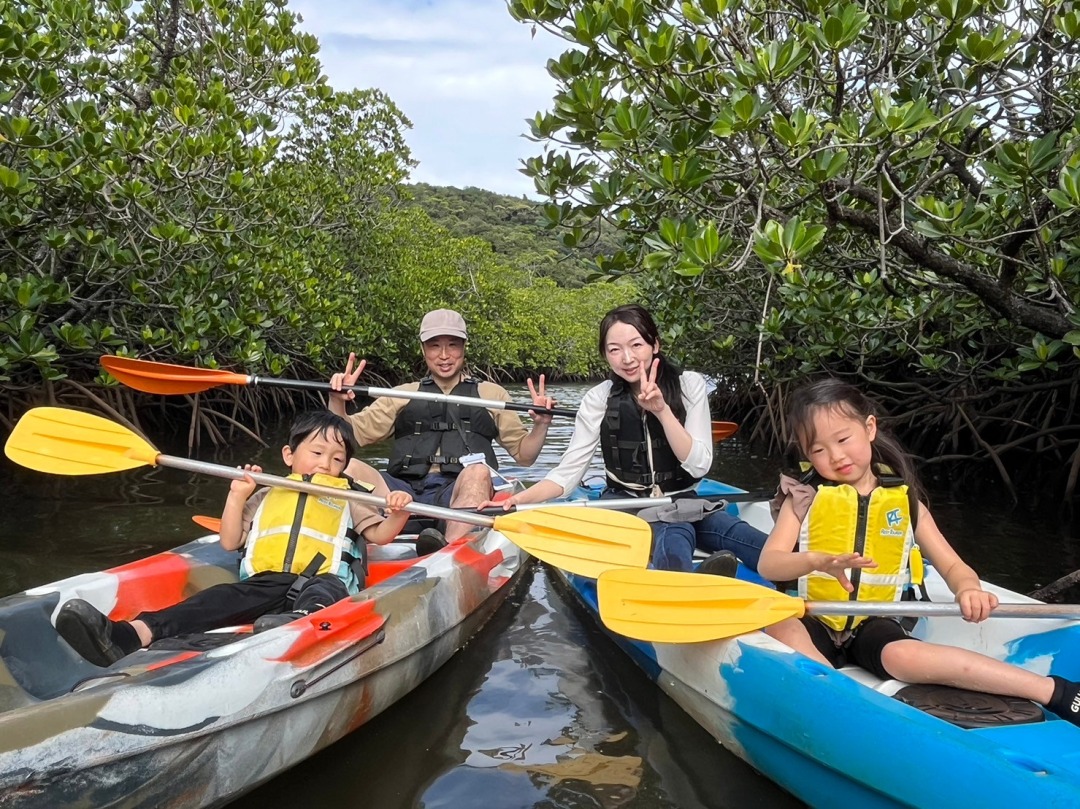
x=465, y=73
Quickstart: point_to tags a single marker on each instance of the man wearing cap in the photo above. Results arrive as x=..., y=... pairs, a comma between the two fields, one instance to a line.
x=437, y=446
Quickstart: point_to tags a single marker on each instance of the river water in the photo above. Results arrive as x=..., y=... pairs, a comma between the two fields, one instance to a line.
x=540, y=709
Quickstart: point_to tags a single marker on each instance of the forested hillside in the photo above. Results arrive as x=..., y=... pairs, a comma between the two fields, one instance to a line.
x=165, y=197
x=515, y=228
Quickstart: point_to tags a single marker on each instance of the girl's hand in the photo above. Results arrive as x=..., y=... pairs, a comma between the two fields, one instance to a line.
x=651, y=398
x=540, y=399
x=976, y=604
x=837, y=566
x=347, y=379
x=245, y=486
x=397, y=501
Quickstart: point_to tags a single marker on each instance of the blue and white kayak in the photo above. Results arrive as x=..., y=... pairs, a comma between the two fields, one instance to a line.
x=840, y=737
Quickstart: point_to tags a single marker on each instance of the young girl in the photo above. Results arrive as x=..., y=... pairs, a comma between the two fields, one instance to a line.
x=850, y=529
x=653, y=426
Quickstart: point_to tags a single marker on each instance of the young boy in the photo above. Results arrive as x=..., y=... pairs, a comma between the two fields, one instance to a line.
x=299, y=552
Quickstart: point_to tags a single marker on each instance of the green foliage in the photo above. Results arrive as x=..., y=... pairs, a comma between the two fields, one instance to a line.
x=518, y=324
x=888, y=189
x=140, y=166
x=515, y=228
x=153, y=203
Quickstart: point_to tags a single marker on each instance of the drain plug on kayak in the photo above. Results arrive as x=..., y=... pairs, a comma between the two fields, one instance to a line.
x=970, y=709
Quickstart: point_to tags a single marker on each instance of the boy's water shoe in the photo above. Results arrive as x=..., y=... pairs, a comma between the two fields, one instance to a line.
x=265, y=623
x=90, y=633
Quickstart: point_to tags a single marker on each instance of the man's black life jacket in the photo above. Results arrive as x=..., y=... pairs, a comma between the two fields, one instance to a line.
x=427, y=433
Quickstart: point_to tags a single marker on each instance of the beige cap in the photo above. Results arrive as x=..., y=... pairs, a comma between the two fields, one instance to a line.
x=442, y=322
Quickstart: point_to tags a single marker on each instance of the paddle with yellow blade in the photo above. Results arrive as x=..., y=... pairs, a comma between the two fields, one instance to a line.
x=582, y=541
x=174, y=380
x=671, y=607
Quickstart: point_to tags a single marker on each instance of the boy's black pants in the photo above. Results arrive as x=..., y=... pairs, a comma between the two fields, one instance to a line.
x=241, y=603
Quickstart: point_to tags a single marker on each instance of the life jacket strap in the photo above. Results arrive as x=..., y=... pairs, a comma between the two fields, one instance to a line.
x=302, y=579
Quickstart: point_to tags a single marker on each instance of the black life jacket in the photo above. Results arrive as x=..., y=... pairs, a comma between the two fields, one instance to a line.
x=427, y=433
x=626, y=452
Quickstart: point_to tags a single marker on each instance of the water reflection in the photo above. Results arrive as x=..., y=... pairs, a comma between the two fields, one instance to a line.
x=541, y=709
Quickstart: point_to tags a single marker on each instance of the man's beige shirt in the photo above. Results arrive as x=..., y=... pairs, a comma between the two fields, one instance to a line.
x=376, y=421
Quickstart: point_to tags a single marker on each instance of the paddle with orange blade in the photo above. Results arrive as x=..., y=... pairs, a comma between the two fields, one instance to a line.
x=671, y=607
x=212, y=524
x=722, y=430
x=172, y=380
x=582, y=541
x=175, y=380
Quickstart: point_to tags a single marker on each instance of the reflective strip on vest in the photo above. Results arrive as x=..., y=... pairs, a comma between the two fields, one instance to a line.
x=290, y=528
x=833, y=526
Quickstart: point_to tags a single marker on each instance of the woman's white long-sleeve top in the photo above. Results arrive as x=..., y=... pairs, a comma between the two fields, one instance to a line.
x=579, y=453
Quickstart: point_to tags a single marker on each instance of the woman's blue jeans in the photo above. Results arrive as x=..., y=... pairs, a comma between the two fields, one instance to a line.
x=674, y=542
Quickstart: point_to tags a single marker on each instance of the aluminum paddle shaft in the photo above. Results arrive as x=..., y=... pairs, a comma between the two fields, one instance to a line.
x=217, y=470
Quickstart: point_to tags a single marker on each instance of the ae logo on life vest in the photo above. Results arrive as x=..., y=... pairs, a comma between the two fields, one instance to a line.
x=894, y=517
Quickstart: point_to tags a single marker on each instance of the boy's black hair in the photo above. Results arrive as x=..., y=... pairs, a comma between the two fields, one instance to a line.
x=324, y=423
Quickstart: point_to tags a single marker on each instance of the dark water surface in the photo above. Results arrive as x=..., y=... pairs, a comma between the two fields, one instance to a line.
x=540, y=709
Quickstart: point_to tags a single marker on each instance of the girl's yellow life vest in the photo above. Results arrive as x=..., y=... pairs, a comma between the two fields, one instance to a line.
x=878, y=526
x=289, y=528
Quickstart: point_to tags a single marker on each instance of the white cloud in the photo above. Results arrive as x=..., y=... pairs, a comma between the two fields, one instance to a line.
x=465, y=73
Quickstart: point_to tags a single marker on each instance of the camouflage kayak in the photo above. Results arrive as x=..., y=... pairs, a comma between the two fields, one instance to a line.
x=197, y=721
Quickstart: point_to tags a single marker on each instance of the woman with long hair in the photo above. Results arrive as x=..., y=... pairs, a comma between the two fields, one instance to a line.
x=652, y=423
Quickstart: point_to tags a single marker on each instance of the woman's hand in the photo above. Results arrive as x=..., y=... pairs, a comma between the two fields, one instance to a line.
x=245, y=486
x=540, y=399
x=976, y=604
x=347, y=379
x=837, y=566
x=651, y=398
x=505, y=504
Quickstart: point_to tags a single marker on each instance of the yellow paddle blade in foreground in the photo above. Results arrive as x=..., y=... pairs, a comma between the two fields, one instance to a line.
x=670, y=607
x=585, y=541
x=68, y=442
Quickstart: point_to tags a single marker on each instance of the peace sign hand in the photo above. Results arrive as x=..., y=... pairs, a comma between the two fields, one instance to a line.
x=651, y=398
x=540, y=399
x=347, y=379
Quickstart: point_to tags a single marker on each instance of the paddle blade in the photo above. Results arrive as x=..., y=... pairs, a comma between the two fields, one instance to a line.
x=166, y=379
x=669, y=607
x=584, y=541
x=209, y=523
x=67, y=442
x=723, y=429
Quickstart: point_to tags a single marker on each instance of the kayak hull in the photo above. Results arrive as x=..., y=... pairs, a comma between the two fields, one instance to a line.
x=198, y=728
x=839, y=737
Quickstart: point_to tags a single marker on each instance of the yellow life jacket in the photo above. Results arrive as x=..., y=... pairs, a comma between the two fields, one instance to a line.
x=290, y=528
x=878, y=526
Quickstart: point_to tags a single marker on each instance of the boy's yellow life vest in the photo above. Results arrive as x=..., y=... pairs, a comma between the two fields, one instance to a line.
x=289, y=528
x=878, y=526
